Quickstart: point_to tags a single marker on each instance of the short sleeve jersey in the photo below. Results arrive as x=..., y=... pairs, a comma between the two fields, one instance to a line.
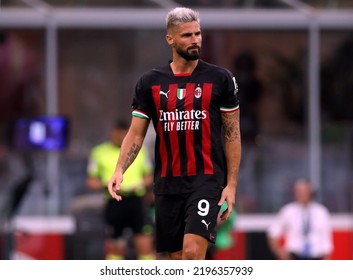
x=186, y=114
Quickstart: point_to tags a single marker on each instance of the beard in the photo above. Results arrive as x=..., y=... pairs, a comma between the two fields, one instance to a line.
x=191, y=53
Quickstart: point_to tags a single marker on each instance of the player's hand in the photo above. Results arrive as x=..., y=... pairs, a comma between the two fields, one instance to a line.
x=114, y=185
x=228, y=195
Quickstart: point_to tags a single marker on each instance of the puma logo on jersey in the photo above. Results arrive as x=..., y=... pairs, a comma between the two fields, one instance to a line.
x=206, y=224
x=164, y=93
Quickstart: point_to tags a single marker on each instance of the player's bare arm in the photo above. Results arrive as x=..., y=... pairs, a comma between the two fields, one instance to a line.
x=232, y=141
x=131, y=155
x=130, y=147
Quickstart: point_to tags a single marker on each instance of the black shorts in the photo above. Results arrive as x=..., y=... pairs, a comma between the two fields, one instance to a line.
x=129, y=213
x=179, y=214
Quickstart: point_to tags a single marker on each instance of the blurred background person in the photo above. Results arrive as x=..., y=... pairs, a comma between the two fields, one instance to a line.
x=131, y=213
x=305, y=226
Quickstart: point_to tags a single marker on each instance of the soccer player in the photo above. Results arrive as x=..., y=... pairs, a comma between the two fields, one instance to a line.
x=194, y=108
x=132, y=212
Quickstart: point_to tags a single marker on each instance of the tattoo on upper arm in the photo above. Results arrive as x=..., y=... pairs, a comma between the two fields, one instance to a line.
x=131, y=155
x=231, y=126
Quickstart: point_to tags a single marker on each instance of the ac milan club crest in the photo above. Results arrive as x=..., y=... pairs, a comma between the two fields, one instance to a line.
x=198, y=92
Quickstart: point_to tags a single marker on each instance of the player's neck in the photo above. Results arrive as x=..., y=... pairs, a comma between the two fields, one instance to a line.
x=182, y=66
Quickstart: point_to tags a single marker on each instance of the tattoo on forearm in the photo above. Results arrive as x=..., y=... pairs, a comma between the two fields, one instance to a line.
x=131, y=155
x=231, y=126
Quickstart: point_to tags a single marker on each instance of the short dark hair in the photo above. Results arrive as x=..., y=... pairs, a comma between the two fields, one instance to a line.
x=121, y=124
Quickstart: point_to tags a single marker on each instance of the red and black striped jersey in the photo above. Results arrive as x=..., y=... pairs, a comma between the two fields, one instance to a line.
x=186, y=114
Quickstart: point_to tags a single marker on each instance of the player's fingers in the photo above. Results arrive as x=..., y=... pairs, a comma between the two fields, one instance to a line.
x=220, y=202
x=113, y=192
x=230, y=207
x=117, y=197
x=113, y=187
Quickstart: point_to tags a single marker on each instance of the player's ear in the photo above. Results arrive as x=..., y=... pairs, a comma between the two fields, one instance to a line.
x=169, y=39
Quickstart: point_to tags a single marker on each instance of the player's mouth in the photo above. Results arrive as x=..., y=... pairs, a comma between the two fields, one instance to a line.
x=194, y=48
